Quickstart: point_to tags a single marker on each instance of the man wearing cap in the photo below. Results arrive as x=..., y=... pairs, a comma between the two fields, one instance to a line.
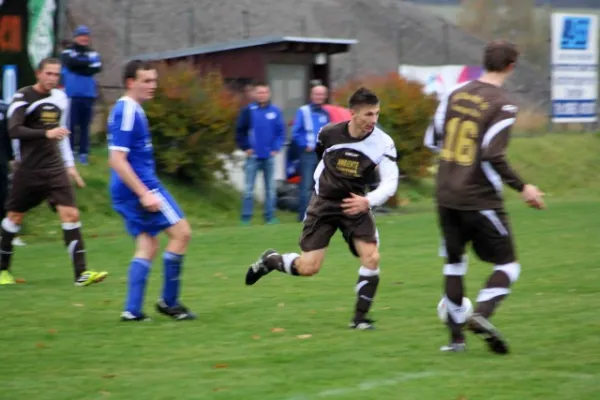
x=80, y=64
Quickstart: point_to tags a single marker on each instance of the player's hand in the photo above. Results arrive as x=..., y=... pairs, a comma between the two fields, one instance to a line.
x=249, y=152
x=57, y=133
x=308, y=149
x=355, y=204
x=150, y=201
x=533, y=196
x=75, y=177
x=273, y=153
x=14, y=164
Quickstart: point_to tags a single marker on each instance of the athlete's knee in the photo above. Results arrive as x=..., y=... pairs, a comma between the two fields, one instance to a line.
x=370, y=259
x=68, y=214
x=14, y=218
x=183, y=233
x=146, y=247
x=309, y=264
x=512, y=270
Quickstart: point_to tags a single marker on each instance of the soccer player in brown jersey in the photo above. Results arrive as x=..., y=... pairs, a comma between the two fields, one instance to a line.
x=350, y=154
x=36, y=117
x=471, y=131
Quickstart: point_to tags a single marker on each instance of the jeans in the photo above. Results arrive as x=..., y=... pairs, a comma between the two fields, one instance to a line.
x=80, y=117
x=251, y=168
x=308, y=163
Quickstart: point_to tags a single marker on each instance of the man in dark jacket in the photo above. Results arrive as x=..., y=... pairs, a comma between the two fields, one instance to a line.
x=80, y=64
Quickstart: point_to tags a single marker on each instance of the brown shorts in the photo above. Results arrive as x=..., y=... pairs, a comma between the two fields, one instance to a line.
x=488, y=231
x=31, y=188
x=324, y=217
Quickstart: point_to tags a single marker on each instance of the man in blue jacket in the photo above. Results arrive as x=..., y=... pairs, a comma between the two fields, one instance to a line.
x=80, y=64
x=260, y=133
x=310, y=118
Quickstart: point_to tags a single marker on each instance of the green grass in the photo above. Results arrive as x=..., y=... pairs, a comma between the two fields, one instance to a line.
x=62, y=342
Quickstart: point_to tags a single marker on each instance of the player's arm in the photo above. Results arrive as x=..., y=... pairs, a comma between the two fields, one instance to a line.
x=388, y=178
x=16, y=121
x=435, y=131
x=494, y=144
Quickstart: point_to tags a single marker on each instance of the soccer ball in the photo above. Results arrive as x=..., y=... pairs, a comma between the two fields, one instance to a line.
x=443, y=312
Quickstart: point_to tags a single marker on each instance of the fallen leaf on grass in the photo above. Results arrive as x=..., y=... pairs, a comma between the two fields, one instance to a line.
x=281, y=305
x=52, y=331
x=312, y=312
x=255, y=337
x=277, y=330
x=20, y=280
x=108, y=376
x=462, y=397
x=40, y=345
x=221, y=365
x=78, y=305
x=305, y=336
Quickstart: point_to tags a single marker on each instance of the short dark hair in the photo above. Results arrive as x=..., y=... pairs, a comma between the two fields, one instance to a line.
x=363, y=97
x=47, y=61
x=499, y=55
x=133, y=66
x=260, y=84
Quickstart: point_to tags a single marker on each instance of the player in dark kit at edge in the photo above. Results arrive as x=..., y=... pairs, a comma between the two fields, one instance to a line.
x=471, y=131
x=349, y=153
x=36, y=117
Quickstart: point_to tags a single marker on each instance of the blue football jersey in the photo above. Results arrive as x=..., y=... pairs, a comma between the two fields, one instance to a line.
x=128, y=131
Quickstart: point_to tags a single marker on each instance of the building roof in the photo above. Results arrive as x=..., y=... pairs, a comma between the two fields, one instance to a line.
x=241, y=44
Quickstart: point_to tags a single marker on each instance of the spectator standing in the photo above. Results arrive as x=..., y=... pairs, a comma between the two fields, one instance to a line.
x=80, y=64
x=310, y=118
x=260, y=132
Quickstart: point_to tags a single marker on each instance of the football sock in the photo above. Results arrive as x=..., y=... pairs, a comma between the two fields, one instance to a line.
x=75, y=246
x=136, y=285
x=283, y=263
x=172, y=270
x=8, y=232
x=366, y=287
x=454, y=298
x=496, y=290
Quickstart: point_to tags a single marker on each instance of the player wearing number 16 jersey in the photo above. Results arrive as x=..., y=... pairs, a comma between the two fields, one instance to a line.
x=471, y=130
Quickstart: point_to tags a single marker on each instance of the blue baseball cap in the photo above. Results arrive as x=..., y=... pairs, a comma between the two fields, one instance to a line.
x=81, y=30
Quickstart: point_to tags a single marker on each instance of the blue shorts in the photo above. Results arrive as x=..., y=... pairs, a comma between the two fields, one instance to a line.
x=138, y=220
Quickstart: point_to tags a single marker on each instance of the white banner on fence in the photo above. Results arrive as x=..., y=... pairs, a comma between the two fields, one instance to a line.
x=574, y=67
x=439, y=79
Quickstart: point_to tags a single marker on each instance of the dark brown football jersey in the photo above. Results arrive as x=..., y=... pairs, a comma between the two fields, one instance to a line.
x=471, y=130
x=30, y=115
x=348, y=164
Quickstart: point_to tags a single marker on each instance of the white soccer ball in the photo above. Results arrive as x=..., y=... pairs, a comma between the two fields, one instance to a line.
x=443, y=311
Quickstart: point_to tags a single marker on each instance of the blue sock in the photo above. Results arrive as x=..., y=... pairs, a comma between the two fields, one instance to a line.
x=136, y=285
x=172, y=267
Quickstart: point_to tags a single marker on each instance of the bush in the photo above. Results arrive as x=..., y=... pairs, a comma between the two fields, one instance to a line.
x=405, y=114
x=192, y=119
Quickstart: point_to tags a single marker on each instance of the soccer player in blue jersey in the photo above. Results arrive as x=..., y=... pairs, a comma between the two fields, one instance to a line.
x=138, y=196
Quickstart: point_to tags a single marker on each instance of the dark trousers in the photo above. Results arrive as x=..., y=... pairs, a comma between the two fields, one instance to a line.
x=79, y=121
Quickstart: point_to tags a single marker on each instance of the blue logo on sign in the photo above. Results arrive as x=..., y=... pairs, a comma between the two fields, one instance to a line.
x=575, y=34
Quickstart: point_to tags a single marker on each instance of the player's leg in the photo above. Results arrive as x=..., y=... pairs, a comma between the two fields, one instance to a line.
x=455, y=236
x=250, y=171
x=146, y=247
x=170, y=218
x=268, y=170
x=316, y=234
x=87, y=105
x=62, y=196
x=25, y=194
x=360, y=232
x=493, y=243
